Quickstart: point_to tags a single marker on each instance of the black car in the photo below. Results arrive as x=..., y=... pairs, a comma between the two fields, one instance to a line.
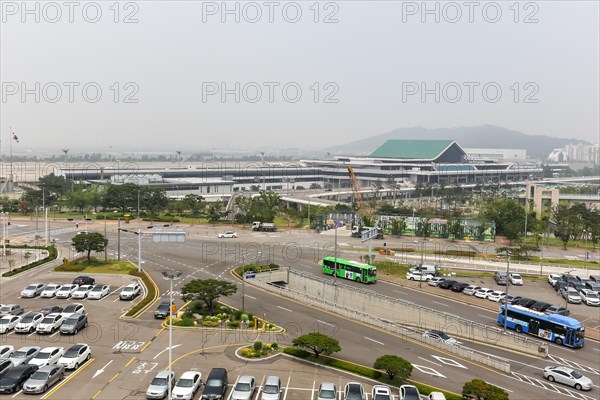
x=216, y=384
x=84, y=280
x=540, y=306
x=582, y=279
x=568, y=278
x=13, y=378
x=459, y=286
x=163, y=310
x=557, y=310
x=74, y=324
x=577, y=285
x=525, y=302
x=447, y=284
x=5, y=364
x=560, y=285
x=51, y=309
x=595, y=278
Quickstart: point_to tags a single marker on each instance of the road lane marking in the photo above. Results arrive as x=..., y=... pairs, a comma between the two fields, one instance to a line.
x=101, y=370
x=373, y=340
x=250, y=297
x=283, y=308
x=449, y=361
x=427, y=370
x=398, y=291
x=172, y=347
x=114, y=377
x=485, y=316
x=130, y=361
x=68, y=378
x=96, y=395
x=434, y=363
x=441, y=304
x=324, y=323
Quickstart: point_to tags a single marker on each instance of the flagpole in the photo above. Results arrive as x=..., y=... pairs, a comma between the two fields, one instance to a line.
x=10, y=139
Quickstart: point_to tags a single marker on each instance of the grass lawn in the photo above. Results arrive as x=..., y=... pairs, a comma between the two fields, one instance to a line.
x=97, y=266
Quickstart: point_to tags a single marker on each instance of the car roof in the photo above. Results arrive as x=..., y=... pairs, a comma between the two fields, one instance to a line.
x=245, y=378
x=29, y=347
x=50, y=349
x=327, y=386
x=77, y=346
x=54, y=315
x=47, y=368
x=189, y=374
x=380, y=389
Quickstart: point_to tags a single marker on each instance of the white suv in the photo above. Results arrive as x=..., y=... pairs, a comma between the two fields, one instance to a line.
x=589, y=297
x=47, y=356
x=75, y=356
x=50, y=324
x=130, y=291
x=418, y=276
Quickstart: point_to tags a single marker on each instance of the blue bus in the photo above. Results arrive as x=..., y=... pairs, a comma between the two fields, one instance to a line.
x=555, y=328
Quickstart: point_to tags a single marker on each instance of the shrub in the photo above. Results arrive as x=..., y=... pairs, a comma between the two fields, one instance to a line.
x=233, y=325
x=149, y=296
x=357, y=369
x=274, y=346
x=186, y=322
x=248, y=352
x=258, y=345
x=292, y=351
x=52, y=254
x=210, y=324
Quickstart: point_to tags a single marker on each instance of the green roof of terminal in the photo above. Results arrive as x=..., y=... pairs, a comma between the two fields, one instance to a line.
x=411, y=149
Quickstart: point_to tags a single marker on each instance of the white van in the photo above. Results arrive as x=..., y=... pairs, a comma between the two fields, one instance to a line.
x=424, y=269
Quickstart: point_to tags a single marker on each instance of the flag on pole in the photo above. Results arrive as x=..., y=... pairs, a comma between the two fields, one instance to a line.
x=15, y=137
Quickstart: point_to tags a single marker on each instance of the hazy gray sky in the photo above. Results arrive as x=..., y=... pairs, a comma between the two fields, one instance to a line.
x=362, y=68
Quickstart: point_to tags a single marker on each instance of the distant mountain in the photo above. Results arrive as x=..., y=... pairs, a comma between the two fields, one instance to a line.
x=485, y=136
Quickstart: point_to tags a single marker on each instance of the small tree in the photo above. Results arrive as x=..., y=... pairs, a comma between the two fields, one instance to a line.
x=11, y=264
x=27, y=256
x=318, y=343
x=483, y=390
x=88, y=242
x=207, y=291
x=394, y=366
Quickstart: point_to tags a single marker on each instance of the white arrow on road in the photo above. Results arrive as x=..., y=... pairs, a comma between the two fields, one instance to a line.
x=101, y=370
x=177, y=345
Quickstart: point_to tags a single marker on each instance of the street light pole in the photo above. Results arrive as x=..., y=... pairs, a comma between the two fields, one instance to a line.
x=506, y=297
x=567, y=292
x=4, y=215
x=170, y=276
x=139, y=233
x=335, y=253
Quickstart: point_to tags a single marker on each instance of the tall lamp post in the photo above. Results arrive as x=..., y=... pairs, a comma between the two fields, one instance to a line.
x=567, y=292
x=170, y=276
x=506, y=297
x=4, y=215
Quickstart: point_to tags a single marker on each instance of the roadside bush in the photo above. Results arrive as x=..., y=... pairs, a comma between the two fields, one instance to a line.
x=292, y=351
x=210, y=324
x=233, y=325
x=71, y=267
x=258, y=345
x=274, y=346
x=149, y=296
x=52, y=254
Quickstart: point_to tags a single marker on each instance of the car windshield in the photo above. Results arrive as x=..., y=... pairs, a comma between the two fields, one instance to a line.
x=12, y=374
x=48, y=320
x=213, y=382
x=5, y=309
x=327, y=394
x=70, y=321
x=39, y=376
x=516, y=276
x=69, y=309
x=19, y=354
x=31, y=287
x=592, y=295
x=576, y=374
x=128, y=289
x=270, y=389
x=163, y=307
x=242, y=387
x=97, y=289
x=4, y=321
x=42, y=356
x=27, y=319
x=71, y=353
x=381, y=397
x=159, y=382
x=185, y=383
x=444, y=336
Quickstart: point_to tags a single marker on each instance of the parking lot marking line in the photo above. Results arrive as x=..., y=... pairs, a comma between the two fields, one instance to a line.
x=96, y=395
x=283, y=308
x=130, y=361
x=114, y=377
x=68, y=378
x=19, y=392
x=373, y=340
x=287, y=387
x=441, y=304
x=54, y=334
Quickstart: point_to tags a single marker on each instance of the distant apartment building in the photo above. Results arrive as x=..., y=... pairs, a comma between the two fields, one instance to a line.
x=576, y=153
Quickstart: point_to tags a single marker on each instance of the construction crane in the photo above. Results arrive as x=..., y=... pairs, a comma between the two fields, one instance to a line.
x=364, y=211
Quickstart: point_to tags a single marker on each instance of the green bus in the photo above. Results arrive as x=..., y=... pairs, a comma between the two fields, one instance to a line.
x=352, y=270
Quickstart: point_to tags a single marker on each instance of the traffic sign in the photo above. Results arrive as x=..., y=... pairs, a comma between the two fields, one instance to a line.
x=370, y=234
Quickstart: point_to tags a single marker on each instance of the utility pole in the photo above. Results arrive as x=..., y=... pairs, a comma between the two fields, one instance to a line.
x=119, y=239
x=170, y=276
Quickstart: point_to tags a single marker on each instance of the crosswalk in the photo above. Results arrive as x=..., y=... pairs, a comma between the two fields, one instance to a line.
x=544, y=384
x=574, y=365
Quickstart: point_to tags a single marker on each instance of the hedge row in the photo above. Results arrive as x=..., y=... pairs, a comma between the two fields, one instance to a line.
x=149, y=296
x=52, y=254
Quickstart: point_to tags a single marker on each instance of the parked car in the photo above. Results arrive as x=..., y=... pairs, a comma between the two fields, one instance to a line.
x=441, y=336
x=66, y=291
x=418, y=276
x=51, y=310
x=163, y=310
x=13, y=379
x=98, y=292
x=588, y=285
x=74, y=324
x=6, y=351
x=496, y=296
x=33, y=290
x=567, y=376
x=553, y=278
x=75, y=356
x=582, y=279
x=187, y=385
x=459, y=287
x=511, y=299
x=10, y=309
x=24, y=354
x=540, y=306
x=589, y=297
x=47, y=356
x=447, y=283
x=515, y=279
x=271, y=390
x=572, y=295
x=409, y=392
x=84, y=280
x=29, y=322
x=525, y=302
x=595, y=278
x=471, y=289
x=483, y=293
x=228, y=234
x=436, y=396
x=381, y=392
x=557, y=310
x=560, y=285
x=327, y=391
x=568, y=278
x=130, y=291
x=8, y=323
x=159, y=387
x=215, y=385
x=436, y=280
x=44, y=378
x=50, y=290
x=5, y=364
x=81, y=292
x=244, y=388
x=75, y=308
x=501, y=278
x=578, y=286
x=50, y=323
x=354, y=391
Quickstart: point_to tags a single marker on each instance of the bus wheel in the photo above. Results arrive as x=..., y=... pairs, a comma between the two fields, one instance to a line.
x=358, y=280
x=558, y=341
x=518, y=328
